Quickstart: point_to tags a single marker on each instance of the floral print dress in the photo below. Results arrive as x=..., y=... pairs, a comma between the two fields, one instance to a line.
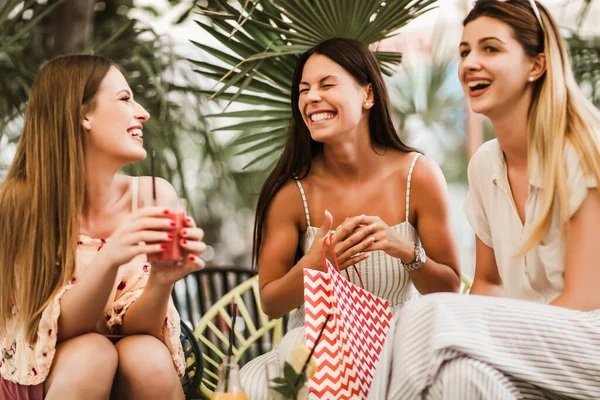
x=25, y=364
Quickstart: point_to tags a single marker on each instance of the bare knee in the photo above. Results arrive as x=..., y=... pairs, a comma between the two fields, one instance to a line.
x=85, y=364
x=146, y=369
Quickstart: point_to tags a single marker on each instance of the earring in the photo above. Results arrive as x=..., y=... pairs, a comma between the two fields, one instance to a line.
x=368, y=104
x=531, y=79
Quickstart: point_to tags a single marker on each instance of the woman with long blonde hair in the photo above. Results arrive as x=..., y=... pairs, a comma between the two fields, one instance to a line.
x=74, y=272
x=530, y=327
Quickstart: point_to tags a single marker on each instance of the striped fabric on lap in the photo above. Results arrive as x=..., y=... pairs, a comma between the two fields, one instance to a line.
x=447, y=343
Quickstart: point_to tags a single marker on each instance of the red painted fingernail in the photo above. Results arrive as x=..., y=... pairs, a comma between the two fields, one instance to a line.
x=164, y=246
x=170, y=236
x=173, y=224
x=192, y=258
x=166, y=212
x=184, y=232
x=183, y=241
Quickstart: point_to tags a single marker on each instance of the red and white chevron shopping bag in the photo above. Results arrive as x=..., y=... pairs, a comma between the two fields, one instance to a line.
x=353, y=338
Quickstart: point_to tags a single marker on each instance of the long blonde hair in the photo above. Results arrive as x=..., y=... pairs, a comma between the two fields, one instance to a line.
x=42, y=198
x=558, y=113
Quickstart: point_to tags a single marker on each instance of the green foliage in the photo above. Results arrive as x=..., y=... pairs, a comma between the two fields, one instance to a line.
x=585, y=60
x=424, y=93
x=19, y=34
x=290, y=384
x=162, y=83
x=264, y=39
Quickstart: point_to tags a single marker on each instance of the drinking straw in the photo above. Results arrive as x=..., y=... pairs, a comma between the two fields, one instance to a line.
x=231, y=340
x=232, y=330
x=153, y=167
x=313, y=349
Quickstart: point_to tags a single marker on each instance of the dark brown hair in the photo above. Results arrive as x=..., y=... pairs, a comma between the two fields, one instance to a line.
x=300, y=148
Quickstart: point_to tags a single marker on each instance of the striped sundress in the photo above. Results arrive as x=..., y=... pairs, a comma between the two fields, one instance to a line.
x=381, y=274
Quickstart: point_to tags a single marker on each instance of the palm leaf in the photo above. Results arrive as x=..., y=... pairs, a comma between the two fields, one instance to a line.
x=424, y=92
x=264, y=39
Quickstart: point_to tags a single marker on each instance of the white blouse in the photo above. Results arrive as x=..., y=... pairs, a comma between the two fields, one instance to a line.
x=539, y=274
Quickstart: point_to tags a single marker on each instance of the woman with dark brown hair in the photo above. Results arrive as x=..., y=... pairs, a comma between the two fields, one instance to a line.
x=530, y=328
x=74, y=272
x=344, y=165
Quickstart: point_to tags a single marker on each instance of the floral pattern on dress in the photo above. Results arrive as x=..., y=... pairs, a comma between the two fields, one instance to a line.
x=30, y=365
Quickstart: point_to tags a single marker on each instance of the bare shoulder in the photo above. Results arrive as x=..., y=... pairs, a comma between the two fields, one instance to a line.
x=287, y=204
x=164, y=190
x=428, y=184
x=427, y=173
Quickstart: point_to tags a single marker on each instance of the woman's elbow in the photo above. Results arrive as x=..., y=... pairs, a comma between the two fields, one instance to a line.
x=455, y=282
x=270, y=311
x=449, y=281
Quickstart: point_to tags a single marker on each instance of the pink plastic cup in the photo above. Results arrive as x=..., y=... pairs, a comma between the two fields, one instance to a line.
x=177, y=213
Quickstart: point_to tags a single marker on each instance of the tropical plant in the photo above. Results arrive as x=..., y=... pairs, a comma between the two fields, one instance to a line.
x=264, y=38
x=163, y=83
x=427, y=103
x=18, y=23
x=584, y=11
x=585, y=55
x=585, y=60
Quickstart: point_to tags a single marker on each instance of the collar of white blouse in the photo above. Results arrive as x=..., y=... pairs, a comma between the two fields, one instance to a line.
x=500, y=176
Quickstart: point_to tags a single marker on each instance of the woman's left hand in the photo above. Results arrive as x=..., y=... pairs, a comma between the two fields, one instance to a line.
x=191, y=242
x=191, y=248
x=388, y=240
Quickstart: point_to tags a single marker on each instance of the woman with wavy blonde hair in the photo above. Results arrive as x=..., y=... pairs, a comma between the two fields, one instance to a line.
x=530, y=327
x=74, y=274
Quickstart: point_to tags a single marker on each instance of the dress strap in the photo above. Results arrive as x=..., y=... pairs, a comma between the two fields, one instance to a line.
x=304, y=202
x=135, y=192
x=410, y=171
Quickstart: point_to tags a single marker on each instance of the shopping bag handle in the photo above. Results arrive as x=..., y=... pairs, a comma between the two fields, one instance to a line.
x=337, y=266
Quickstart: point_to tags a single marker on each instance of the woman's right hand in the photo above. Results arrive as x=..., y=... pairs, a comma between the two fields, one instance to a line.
x=145, y=225
x=350, y=239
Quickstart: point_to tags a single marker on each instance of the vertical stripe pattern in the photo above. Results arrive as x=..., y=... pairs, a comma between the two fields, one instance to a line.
x=489, y=348
x=381, y=274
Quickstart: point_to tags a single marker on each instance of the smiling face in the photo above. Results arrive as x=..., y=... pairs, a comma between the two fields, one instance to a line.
x=114, y=123
x=331, y=101
x=494, y=71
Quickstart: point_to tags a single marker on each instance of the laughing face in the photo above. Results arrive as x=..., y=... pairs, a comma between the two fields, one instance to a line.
x=494, y=69
x=114, y=124
x=331, y=101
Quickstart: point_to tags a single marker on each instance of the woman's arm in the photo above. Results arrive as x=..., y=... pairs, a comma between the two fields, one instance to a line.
x=146, y=315
x=487, y=281
x=82, y=306
x=441, y=271
x=281, y=282
x=581, y=262
x=429, y=195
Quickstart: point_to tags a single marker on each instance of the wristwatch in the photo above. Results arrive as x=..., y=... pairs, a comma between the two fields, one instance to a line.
x=420, y=259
